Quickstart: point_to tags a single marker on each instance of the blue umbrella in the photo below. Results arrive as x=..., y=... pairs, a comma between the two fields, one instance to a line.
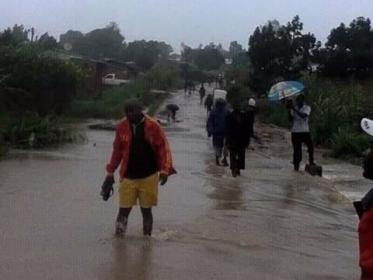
x=284, y=90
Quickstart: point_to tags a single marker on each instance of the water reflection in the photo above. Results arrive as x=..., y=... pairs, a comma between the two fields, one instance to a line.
x=226, y=192
x=131, y=259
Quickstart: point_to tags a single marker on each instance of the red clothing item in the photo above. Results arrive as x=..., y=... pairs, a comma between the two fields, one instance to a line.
x=366, y=245
x=153, y=134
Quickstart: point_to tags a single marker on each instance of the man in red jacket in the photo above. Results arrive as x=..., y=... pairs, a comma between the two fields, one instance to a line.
x=141, y=149
x=365, y=212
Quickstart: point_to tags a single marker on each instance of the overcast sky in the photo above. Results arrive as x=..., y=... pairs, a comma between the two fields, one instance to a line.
x=176, y=21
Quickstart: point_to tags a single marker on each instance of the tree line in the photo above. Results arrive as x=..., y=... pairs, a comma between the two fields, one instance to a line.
x=282, y=52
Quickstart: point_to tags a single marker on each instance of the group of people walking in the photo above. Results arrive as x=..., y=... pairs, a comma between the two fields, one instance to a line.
x=142, y=151
x=231, y=131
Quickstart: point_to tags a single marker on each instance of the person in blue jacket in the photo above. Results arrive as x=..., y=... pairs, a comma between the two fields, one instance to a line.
x=216, y=128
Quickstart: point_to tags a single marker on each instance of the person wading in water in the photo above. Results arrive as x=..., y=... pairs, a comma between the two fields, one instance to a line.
x=141, y=148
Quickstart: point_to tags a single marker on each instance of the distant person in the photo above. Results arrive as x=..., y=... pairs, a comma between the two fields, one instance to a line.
x=216, y=128
x=171, y=112
x=300, y=132
x=209, y=81
x=141, y=148
x=220, y=81
x=364, y=209
x=251, y=112
x=186, y=85
x=238, y=131
x=193, y=86
x=209, y=102
x=202, y=92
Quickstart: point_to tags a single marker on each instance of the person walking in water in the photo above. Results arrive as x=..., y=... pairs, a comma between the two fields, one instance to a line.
x=364, y=209
x=251, y=112
x=300, y=132
x=171, y=112
x=216, y=128
x=238, y=131
x=209, y=101
x=141, y=148
x=202, y=92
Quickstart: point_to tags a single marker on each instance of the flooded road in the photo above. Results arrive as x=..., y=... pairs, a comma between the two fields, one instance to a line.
x=270, y=223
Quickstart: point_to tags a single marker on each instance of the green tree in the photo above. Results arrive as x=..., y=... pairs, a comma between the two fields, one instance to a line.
x=235, y=49
x=278, y=52
x=14, y=36
x=209, y=58
x=163, y=75
x=349, y=50
x=146, y=53
x=47, y=42
x=35, y=80
x=187, y=53
x=107, y=42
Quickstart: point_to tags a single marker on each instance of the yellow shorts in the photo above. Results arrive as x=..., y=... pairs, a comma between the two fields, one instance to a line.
x=145, y=190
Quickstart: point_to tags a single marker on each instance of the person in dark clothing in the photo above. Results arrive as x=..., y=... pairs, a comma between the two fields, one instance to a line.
x=216, y=128
x=239, y=130
x=300, y=132
x=251, y=112
x=171, y=112
x=209, y=101
x=202, y=92
x=186, y=84
x=364, y=209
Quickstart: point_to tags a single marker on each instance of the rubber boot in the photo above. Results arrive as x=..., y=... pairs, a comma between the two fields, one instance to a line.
x=121, y=227
x=296, y=166
x=225, y=162
x=147, y=228
x=234, y=173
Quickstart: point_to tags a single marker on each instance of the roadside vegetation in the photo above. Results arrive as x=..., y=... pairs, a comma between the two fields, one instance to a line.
x=40, y=87
x=337, y=77
x=42, y=90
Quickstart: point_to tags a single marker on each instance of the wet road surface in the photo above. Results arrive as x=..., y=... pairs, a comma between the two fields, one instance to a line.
x=270, y=223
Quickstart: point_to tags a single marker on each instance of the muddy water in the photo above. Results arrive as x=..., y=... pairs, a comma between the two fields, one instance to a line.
x=270, y=223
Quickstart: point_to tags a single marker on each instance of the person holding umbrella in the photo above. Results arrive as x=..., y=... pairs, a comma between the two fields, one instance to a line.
x=300, y=131
x=299, y=116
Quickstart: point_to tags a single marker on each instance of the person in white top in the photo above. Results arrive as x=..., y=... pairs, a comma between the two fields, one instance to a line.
x=300, y=132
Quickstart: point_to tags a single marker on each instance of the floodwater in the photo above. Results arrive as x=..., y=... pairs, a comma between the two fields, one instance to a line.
x=270, y=223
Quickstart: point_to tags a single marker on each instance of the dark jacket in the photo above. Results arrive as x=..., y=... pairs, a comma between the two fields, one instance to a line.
x=216, y=122
x=209, y=101
x=239, y=129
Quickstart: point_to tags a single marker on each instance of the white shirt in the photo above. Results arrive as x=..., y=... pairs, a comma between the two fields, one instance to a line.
x=301, y=124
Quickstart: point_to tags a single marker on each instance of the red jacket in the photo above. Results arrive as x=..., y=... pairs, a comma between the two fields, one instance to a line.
x=153, y=134
x=366, y=245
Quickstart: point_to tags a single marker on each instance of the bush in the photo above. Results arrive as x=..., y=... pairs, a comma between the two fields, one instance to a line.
x=33, y=131
x=273, y=113
x=337, y=106
x=346, y=143
x=337, y=109
x=164, y=76
x=111, y=102
x=36, y=80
